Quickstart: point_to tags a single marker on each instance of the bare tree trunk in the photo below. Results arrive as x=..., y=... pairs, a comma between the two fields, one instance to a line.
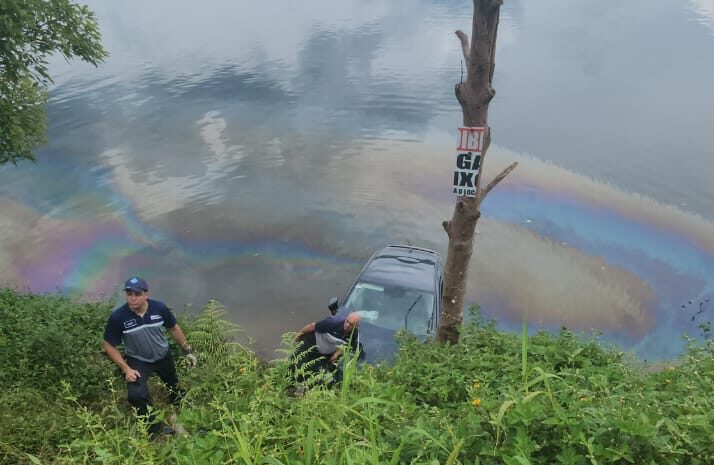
x=474, y=95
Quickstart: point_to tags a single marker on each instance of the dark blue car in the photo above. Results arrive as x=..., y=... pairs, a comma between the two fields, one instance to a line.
x=398, y=288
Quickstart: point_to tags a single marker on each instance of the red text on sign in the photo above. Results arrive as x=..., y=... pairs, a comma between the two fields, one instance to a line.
x=471, y=139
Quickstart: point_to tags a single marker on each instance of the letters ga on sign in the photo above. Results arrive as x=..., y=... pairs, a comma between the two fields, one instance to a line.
x=471, y=140
x=466, y=174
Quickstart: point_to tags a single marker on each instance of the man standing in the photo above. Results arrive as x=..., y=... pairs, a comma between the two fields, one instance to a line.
x=323, y=342
x=138, y=324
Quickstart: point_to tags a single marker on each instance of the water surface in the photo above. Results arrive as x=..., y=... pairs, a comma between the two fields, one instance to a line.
x=258, y=153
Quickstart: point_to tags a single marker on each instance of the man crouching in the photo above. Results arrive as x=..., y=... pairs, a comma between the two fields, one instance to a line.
x=321, y=344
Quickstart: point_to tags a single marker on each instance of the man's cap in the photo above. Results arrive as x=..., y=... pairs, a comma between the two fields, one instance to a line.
x=136, y=284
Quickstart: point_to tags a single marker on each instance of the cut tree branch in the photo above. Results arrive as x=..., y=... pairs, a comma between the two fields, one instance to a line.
x=493, y=4
x=488, y=95
x=465, y=47
x=497, y=179
x=447, y=227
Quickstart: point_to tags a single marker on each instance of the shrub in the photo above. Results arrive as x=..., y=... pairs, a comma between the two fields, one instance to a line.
x=571, y=401
x=49, y=339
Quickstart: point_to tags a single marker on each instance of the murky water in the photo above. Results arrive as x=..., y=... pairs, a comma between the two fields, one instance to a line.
x=258, y=153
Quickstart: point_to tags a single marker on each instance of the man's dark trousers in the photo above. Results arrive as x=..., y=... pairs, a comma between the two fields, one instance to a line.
x=307, y=356
x=138, y=391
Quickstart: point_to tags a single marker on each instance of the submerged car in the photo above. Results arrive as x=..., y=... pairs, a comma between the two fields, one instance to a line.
x=398, y=288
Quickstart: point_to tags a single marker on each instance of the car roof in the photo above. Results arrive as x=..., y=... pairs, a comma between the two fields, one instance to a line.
x=406, y=266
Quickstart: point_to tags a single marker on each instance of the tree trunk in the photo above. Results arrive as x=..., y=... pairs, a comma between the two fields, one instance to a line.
x=474, y=95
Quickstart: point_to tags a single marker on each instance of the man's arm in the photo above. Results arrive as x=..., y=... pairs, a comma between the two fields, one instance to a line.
x=353, y=341
x=307, y=329
x=114, y=355
x=179, y=337
x=335, y=355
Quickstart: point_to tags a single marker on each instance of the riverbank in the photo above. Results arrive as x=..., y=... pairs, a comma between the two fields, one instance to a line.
x=571, y=400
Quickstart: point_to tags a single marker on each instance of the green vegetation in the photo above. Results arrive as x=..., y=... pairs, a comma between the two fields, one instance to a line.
x=578, y=402
x=31, y=31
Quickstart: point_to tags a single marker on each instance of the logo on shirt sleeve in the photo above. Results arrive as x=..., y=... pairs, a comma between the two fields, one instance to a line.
x=129, y=324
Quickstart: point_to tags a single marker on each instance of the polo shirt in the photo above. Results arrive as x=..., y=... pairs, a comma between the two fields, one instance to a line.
x=330, y=334
x=143, y=338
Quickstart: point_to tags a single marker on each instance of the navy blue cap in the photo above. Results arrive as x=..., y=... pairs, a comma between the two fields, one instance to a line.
x=136, y=284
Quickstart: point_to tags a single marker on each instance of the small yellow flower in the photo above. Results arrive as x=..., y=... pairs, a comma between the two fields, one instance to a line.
x=476, y=402
x=477, y=385
x=584, y=398
x=243, y=370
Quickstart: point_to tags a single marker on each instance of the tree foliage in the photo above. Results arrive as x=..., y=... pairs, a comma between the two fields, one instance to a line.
x=30, y=32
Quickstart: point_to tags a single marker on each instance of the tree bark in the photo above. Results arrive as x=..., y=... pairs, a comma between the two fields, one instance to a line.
x=474, y=96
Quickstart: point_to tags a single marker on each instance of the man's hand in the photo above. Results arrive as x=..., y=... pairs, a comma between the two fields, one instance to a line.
x=192, y=360
x=131, y=375
x=190, y=356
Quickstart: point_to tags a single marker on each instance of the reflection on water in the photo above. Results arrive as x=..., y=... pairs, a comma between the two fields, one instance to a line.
x=258, y=155
x=705, y=12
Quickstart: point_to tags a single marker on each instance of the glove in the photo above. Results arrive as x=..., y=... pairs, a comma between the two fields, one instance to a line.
x=192, y=360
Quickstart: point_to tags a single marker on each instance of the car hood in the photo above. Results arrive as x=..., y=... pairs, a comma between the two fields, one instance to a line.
x=379, y=344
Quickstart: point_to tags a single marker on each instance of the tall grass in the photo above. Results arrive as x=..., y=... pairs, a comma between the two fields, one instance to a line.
x=560, y=399
x=524, y=348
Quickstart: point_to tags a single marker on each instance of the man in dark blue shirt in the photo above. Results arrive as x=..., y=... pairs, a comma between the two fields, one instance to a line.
x=322, y=343
x=139, y=324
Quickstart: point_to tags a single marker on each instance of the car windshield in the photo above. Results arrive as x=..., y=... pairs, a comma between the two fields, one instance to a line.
x=392, y=307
